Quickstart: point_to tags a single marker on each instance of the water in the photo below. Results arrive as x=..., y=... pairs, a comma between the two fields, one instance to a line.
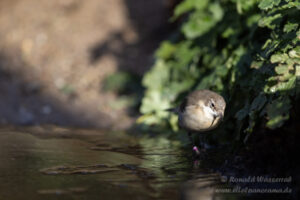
x=57, y=163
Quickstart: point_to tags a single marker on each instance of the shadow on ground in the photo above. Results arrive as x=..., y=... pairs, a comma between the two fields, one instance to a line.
x=150, y=21
x=24, y=102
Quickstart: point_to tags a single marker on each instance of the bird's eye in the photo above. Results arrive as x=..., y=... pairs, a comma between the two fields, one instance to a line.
x=212, y=105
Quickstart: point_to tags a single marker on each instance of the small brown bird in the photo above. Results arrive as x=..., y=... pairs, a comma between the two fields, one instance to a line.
x=201, y=110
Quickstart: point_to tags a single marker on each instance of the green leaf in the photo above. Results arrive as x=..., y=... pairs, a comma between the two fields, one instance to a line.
x=189, y=5
x=198, y=25
x=282, y=86
x=287, y=86
x=253, y=20
x=166, y=50
x=174, y=122
x=228, y=32
x=184, y=7
x=201, y=22
x=155, y=102
x=290, y=27
x=292, y=4
x=216, y=11
x=245, y=5
x=295, y=53
x=278, y=112
x=268, y=4
x=158, y=76
x=279, y=58
x=148, y=119
x=282, y=69
x=270, y=21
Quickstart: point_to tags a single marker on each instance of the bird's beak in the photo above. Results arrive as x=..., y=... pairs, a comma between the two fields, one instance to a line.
x=218, y=115
x=221, y=115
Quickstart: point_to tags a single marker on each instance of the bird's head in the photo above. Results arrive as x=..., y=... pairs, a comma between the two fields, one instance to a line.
x=214, y=105
x=202, y=110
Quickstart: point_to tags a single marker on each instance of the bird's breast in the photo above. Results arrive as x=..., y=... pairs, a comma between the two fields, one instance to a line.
x=196, y=119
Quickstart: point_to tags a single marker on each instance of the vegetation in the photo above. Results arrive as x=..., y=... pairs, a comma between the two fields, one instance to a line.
x=246, y=50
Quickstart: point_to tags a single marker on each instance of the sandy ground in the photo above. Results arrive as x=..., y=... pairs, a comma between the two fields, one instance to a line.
x=55, y=54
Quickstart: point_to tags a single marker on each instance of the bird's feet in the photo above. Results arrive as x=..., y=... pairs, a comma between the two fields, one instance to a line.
x=196, y=150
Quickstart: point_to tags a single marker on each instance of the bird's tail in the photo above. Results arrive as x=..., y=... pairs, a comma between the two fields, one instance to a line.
x=174, y=110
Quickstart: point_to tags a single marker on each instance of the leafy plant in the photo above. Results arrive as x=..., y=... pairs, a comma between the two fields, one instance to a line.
x=127, y=86
x=246, y=50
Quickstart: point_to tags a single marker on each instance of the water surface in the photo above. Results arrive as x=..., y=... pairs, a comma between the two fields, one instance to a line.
x=57, y=163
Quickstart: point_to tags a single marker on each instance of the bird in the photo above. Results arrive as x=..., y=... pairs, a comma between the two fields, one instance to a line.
x=199, y=112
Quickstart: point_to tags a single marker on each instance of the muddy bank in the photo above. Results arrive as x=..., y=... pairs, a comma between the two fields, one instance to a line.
x=55, y=55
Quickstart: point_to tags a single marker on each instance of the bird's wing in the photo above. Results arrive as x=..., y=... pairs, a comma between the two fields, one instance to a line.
x=181, y=108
